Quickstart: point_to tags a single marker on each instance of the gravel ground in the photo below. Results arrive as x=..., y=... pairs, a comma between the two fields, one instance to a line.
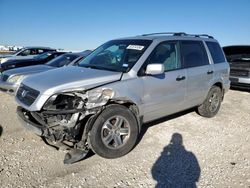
x=172, y=151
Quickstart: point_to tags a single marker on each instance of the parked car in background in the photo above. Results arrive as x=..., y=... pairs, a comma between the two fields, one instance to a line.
x=102, y=103
x=11, y=79
x=24, y=53
x=239, y=60
x=40, y=59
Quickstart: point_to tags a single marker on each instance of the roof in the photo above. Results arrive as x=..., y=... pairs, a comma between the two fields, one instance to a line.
x=237, y=46
x=40, y=47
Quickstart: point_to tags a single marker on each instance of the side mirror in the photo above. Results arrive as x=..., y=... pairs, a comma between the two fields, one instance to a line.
x=155, y=69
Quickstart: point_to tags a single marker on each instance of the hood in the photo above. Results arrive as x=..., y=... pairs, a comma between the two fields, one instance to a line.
x=6, y=55
x=17, y=58
x=70, y=78
x=28, y=70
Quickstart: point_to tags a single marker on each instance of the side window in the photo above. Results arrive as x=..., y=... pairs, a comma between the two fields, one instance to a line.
x=216, y=52
x=24, y=53
x=194, y=54
x=167, y=54
x=40, y=51
x=33, y=52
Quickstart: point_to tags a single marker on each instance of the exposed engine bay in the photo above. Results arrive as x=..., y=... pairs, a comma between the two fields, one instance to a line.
x=65, y=120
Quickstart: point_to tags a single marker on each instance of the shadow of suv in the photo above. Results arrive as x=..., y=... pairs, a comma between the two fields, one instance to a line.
x=102, y=103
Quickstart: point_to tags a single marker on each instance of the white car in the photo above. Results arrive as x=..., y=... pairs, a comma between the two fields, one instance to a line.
x=27, y=52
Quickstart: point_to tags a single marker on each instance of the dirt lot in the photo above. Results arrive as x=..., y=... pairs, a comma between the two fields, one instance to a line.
x=204, y=152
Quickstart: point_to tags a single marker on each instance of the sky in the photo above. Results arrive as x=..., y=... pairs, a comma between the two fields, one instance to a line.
x=86, y=24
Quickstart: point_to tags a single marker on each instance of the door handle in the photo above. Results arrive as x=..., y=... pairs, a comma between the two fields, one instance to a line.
x=210, y=72
x=179, y=78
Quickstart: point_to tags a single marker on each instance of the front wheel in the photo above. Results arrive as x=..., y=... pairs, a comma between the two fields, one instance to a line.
x=211, y=105
x=114, y=133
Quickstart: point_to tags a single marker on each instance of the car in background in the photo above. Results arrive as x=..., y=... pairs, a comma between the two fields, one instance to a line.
x=40, y=59
x=24, y=53
x=239, y=61
x=11, y=79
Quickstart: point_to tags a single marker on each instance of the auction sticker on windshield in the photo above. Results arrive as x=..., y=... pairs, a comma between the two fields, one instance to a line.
x=135, y=47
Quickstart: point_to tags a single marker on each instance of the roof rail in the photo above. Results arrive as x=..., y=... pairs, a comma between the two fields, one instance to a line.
x=165, y=33
x=179, y=34
x=201, y=35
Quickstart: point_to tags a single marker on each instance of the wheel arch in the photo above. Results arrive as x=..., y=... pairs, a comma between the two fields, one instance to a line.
x=127, y=103
x=220, y=85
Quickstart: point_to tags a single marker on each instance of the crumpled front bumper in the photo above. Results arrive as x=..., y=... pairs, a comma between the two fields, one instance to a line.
x=28, y=124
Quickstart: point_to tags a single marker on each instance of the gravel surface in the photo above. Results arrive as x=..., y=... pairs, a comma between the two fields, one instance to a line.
x=177, y=150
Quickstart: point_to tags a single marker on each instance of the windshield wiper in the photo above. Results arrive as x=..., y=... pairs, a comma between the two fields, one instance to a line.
x=99, y=68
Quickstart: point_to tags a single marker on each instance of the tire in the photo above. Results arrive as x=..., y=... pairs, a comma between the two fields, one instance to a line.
x=106, y=138
x=210, y=107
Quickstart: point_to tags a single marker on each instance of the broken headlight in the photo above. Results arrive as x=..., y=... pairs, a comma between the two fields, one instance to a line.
x=98, y=97
x=64, y=101
x=76, y=100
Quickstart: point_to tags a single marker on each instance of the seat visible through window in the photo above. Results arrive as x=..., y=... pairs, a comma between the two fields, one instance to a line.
x=166, y=54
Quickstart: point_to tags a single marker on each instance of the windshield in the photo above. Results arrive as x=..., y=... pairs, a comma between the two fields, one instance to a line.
x=116, y=55
x=43, y=55
x=238, y=57
x=62, y=60
x=237, y=54
x=18, y=51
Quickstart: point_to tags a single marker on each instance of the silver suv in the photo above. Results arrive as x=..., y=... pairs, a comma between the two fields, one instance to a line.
x=102, y=103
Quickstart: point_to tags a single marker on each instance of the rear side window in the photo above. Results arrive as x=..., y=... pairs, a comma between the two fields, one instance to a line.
x=193, y=54
x=216, y=52
x=40, y=51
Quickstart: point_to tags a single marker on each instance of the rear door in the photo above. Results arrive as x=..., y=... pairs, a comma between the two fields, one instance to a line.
x=164, y=94
x=199, y=71
x=221, y=66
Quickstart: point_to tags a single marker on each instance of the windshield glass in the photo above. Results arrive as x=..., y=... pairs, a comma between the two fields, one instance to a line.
x=62, y=60
x=18, y=51
x=43, y=55
x=238, y=57
x=116, y=55
x=237, y=54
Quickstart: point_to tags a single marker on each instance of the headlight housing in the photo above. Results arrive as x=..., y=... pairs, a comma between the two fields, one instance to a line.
x=16, y=79
x=98, y=97
x=78, y=100
x=3, y=60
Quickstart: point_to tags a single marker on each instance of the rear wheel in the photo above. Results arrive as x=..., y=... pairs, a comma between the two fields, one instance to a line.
x=211, y=105
x=114, y=133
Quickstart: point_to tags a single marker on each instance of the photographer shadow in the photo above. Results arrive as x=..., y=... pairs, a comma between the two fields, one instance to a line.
x=176, y=167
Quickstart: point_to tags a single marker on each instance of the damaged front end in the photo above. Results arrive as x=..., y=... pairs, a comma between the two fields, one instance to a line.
x=66, y=118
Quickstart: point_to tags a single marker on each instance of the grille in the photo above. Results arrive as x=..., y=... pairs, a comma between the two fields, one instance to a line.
x=243, y=73
x=27, y=95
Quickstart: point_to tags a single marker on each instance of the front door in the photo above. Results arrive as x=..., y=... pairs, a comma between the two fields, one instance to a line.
x=164, y=94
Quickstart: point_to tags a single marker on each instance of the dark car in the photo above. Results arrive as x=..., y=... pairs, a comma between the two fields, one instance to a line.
x=11, y=79
x=40, y=59
x=239, y=60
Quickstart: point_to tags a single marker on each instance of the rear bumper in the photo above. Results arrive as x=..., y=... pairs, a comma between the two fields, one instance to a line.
x=28, y=124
